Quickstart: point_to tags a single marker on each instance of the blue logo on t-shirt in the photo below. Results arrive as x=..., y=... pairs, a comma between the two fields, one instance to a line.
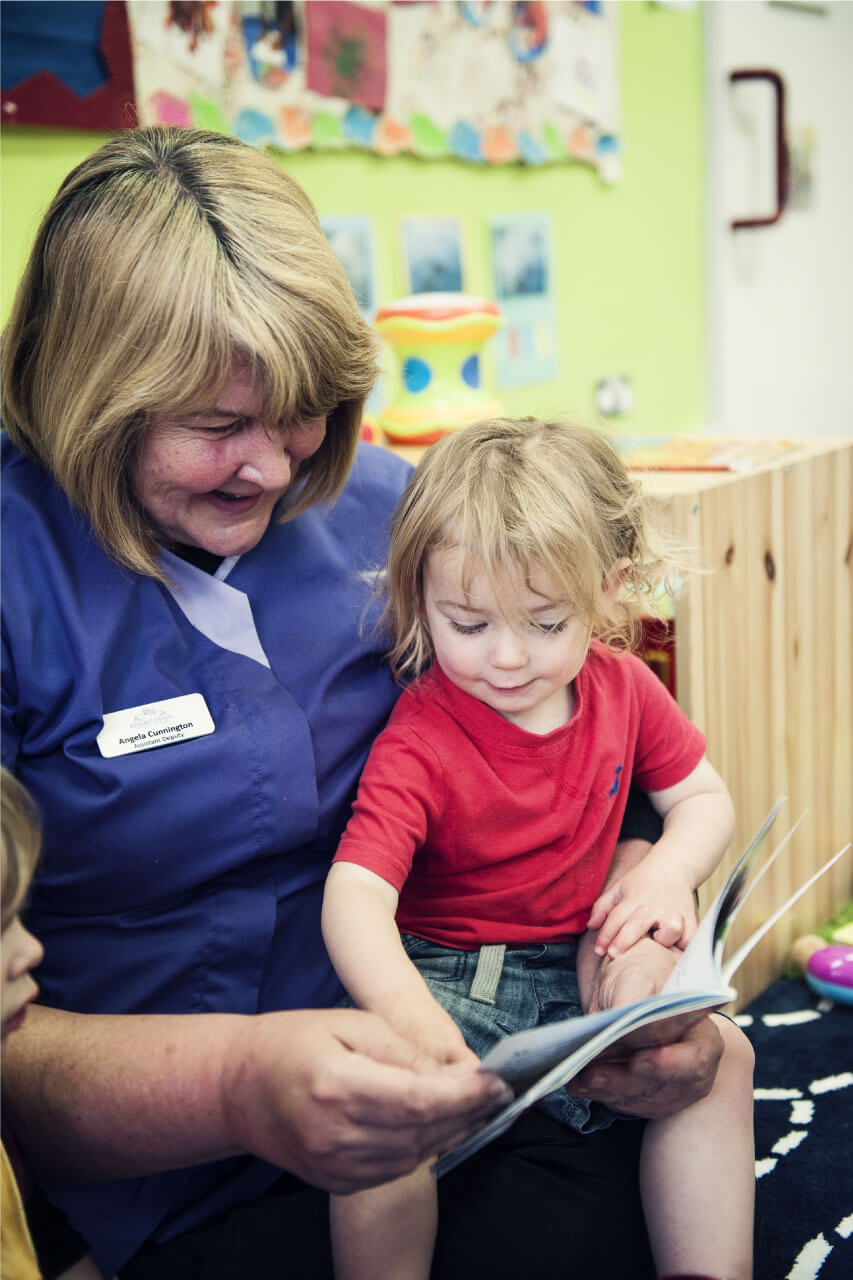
x=615, y=787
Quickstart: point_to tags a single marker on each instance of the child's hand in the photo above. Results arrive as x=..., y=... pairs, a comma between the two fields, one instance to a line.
x=646, y=900
x=434, y=1032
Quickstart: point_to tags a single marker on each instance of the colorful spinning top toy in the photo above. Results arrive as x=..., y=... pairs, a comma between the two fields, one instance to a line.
x=437, y=338
x=827, y=967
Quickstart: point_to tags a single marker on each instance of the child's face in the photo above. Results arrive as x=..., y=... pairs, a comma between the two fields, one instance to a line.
x=19, y=953
x=524, y=673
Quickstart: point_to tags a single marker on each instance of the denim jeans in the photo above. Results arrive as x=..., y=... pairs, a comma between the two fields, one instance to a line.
x=538, y=985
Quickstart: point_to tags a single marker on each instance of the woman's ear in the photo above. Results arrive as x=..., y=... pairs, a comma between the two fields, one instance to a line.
x=618, y=573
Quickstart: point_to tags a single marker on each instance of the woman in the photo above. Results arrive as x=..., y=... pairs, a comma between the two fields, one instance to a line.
x=192, y=682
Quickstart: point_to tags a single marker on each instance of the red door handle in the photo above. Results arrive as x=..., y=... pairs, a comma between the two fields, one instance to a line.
x=782, y=163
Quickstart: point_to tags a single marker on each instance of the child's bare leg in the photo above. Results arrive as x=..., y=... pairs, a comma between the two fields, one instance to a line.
x=386, y=1232
x=82, y=1269
x=697, y=1174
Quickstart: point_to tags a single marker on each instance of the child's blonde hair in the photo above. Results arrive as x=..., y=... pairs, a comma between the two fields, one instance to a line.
x=522, y=496
x=20, y=845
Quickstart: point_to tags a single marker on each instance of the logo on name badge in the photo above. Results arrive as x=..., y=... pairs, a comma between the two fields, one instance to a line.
x=154, y=724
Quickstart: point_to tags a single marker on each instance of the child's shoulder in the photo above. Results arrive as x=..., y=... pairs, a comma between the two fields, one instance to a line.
x=419, y=699
x=417, y=727
x=620, y=668
x=603, y=657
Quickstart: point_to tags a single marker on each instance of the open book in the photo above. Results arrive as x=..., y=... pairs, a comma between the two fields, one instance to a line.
x=537, y=1061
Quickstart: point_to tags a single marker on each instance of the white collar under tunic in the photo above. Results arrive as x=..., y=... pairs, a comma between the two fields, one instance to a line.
x=219, y=611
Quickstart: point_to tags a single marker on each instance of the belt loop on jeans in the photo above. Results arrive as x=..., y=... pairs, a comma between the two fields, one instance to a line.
x=490, y=965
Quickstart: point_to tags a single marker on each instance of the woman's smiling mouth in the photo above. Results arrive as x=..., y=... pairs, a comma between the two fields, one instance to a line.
x=235, y=501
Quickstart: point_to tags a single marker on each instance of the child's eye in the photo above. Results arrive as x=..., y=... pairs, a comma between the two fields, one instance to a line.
x=467, y=629
x=552, y=627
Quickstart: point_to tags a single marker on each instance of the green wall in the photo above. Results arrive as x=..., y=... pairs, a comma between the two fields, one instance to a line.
x=628, y=259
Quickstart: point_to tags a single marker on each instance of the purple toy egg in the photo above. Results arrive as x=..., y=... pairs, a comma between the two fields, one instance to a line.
x=833, y=964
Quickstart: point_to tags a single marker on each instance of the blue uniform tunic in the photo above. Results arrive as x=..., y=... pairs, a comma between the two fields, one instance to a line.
x=188, y=878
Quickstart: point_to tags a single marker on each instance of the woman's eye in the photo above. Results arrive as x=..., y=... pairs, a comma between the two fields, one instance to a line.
x=467, y=628
x=223, y=429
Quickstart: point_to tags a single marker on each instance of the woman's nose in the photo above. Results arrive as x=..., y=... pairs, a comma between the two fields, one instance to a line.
x=271, y=456
x=264, y=461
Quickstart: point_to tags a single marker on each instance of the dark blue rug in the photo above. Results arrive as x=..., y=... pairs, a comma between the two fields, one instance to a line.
x=803, y=1133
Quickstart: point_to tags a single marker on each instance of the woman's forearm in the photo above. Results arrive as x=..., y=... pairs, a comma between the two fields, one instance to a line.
x=113, y=1096
x=333, y=1095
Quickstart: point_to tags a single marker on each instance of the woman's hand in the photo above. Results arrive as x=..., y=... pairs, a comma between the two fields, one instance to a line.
x=338, y=1098
x=606, y=983
x=654, y=1083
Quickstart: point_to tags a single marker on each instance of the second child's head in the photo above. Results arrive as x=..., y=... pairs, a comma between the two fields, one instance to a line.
x=534, y=524
x=20, y=952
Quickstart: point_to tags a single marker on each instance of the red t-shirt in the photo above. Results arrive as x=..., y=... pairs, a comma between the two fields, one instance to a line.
x=493, y=834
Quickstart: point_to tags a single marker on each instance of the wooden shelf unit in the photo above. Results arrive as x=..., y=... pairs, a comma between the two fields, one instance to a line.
x=764, y=644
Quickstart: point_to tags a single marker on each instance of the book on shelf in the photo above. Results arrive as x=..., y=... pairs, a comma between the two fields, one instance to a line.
x=537, y=1061
x=697, y=453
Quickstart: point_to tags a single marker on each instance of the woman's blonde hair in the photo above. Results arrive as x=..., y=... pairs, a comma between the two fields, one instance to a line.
x=20, y=845
x=163, y=256
x=526, y=497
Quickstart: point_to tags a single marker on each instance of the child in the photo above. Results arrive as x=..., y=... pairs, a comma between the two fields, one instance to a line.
x=20, y=953
x=490, y=807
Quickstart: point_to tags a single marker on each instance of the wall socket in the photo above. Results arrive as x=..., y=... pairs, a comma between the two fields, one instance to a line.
x=614, y=395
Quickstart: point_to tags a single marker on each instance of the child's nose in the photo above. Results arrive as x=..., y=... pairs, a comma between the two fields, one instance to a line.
x=27, y=951
x=508, y=650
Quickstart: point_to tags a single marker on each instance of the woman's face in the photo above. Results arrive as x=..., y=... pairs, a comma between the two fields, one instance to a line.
x=212, y=478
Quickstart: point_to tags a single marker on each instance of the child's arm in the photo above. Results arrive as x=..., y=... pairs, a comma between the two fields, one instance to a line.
x=656, y=895
x=364, y=944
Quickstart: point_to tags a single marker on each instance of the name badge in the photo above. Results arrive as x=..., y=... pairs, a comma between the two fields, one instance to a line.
x=155, y=724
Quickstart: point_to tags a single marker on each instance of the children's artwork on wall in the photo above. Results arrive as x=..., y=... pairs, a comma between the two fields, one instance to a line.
x=486, y=83
x=526, y=345
x=272, y=44
x=180, y=53
x=582, y=79
x=67, y=64
x=346, y=44
x=432, y=254
x=354, y=241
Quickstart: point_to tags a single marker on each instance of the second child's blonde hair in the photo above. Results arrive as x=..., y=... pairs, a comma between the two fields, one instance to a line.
x=528, y=497
x=20, y=845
